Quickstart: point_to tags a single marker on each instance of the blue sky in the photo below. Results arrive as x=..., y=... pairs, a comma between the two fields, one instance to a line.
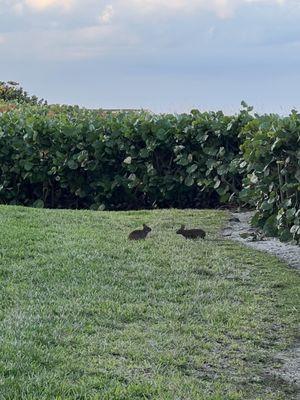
x=163, y=55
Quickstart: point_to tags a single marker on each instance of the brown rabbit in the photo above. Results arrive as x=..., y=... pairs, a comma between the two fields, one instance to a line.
x=191, y=233
x=140, y=234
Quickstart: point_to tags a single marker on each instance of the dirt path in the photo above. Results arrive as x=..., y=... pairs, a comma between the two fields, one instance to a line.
x=287, y=252
x=238, y=225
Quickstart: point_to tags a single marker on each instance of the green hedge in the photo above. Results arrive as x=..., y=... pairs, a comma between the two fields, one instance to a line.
x=70, y=157
x=271, y=152
x=67, y=157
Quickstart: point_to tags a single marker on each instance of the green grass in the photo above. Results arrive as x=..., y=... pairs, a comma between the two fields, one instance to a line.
x=87, y=314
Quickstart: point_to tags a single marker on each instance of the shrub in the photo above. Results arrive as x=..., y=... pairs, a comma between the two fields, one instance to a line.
x=271, y=150
x=71, y=157
x=12, y=91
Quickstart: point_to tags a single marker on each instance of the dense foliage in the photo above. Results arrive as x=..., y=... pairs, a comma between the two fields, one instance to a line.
x=67, y=157
x=271, y=152
x=12, y=91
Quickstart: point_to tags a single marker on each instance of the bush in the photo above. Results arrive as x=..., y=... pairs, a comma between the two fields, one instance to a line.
x=11, y=91
x=71, y=157
x=271, y=150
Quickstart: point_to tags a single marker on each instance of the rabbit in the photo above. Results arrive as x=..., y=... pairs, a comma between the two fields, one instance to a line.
x=234, y=219
x=191, y=233
x=140, y=234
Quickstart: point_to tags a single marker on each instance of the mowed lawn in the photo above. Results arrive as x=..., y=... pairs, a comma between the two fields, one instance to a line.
x=87, y=314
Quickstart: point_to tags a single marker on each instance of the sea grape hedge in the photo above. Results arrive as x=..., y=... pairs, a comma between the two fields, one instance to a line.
x=67, y=157
x=271, y=153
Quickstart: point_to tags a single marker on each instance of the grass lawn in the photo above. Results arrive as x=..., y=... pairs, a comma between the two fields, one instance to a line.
x=87, y=314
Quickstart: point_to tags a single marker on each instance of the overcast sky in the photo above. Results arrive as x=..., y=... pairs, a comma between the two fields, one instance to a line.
x=163, y=55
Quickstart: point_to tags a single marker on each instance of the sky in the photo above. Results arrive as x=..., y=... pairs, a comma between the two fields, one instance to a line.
x=160, y=55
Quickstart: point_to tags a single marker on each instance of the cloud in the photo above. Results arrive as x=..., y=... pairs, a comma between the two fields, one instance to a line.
x=102, y=28
x=2, y=39
x=41, y=5
x=222, y=8
x=107, y=14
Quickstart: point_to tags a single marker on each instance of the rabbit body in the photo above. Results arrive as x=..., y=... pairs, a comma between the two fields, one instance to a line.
x=191, y=233
x=140, y=234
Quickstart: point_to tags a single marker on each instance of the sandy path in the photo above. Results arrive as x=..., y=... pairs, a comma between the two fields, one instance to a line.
x=287, y=252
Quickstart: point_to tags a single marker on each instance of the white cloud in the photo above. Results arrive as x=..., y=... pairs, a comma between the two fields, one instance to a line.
x=41, y=5
x=2, y=39
x=107, y=14
x=99, y=27
x=223, y=8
